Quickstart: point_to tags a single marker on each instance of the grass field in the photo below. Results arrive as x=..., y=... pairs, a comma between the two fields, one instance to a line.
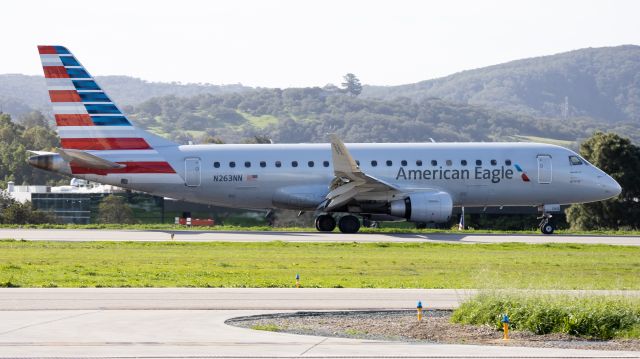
x=275, y=264
x=160, y=226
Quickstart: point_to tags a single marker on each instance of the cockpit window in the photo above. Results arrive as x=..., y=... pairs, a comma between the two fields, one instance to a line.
x=575, y=160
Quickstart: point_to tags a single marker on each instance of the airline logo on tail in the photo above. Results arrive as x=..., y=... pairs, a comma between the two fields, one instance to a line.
x=88, y=120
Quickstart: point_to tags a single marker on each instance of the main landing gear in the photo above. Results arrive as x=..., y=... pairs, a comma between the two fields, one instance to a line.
x=325, y=223
x=346, y=224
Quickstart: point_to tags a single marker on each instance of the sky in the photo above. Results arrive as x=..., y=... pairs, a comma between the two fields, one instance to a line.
x=296, y=43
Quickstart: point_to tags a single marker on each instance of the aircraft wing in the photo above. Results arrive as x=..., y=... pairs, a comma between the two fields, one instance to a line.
x=349, y=180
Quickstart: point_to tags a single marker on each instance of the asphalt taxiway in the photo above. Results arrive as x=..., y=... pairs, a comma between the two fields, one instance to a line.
x=224, y=236
x=128, y=323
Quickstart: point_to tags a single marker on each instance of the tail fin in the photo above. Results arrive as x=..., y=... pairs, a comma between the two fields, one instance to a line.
x=86, y=118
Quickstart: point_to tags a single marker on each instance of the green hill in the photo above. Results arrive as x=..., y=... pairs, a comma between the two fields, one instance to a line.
x=308, y=114
x=20, y=94
x=601, y=83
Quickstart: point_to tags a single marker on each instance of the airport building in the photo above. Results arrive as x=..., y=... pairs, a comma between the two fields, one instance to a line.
x=78, y=203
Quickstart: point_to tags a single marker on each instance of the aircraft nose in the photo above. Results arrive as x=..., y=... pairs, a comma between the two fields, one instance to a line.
x=611, y=186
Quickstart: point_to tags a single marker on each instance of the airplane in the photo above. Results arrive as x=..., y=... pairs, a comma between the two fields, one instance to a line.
x=416, y=182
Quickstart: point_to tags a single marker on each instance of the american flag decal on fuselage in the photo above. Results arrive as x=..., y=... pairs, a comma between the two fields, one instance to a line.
x=87, y=119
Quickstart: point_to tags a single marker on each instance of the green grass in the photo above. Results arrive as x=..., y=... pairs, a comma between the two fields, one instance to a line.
x=195, y=133
x=267, y=327
x=355, y=332
x=265, y=228
x=259, y=122
x=599, y=317
x=158, y=130
x=326, y=265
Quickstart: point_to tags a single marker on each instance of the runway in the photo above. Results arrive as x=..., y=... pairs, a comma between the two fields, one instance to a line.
x=128, y=323
x=224, y=236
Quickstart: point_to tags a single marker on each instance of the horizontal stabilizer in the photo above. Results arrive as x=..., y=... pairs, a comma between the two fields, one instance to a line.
x=40, y=153
x=85, y=159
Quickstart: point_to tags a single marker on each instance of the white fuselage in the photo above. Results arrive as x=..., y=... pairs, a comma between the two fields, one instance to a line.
x=248, y=176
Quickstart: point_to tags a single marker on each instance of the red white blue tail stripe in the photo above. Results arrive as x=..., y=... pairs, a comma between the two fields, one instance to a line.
x=87, y=119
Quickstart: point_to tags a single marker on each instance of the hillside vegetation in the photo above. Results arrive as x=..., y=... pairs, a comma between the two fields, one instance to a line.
x=308, y=114
x=600, y=83
x=20, y=94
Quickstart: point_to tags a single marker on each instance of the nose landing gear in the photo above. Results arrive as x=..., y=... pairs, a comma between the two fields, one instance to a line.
x=546, y=225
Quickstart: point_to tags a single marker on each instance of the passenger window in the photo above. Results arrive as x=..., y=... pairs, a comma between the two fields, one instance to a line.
x=419, y=163
x=247, y=164
x=575, y=160
x=449, y=162
x=403, y=162
x=507, y=162
x=463, y=162
x=294, y=164
x=374, y=163
x=263, y=164
x=216, y=164
x=389, y=163
x=494, y=162
x=232, y=164
x=478, y=163
x=310, y=163
x=278, y=164
x=325, y=163
x=434, y=162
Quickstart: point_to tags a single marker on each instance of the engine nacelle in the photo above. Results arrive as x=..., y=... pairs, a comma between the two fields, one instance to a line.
x=423, y=207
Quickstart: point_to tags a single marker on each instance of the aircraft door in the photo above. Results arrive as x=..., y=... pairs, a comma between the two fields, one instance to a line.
x=544, y=169
x=192, y=172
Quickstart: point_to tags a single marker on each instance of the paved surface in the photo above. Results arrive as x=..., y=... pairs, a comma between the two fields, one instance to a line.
x=202, y=236
x=227, y=298
x=75, y=323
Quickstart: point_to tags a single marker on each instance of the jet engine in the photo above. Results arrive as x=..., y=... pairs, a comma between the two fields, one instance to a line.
x=423, y=207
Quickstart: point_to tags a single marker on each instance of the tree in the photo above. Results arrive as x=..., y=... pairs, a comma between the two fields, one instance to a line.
x=32, y=119
x=15, y=140
x=619, y=158
x=14, y=212
x=208, y=139
x=114, y=209
x=351, y=84
x=260, y=139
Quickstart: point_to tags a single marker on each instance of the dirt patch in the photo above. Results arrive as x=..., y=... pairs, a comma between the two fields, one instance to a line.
x=403, y=326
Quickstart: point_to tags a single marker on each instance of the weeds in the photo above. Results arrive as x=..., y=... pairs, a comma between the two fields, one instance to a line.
x=267, y=327
x=596, y=317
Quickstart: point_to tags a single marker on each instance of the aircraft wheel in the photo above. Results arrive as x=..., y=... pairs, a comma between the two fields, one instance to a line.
x=349, y=224
x=325, y=223
x=547, y=228
x=421, y=225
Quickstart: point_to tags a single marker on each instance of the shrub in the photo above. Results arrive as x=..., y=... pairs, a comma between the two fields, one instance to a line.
x=599, y=317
